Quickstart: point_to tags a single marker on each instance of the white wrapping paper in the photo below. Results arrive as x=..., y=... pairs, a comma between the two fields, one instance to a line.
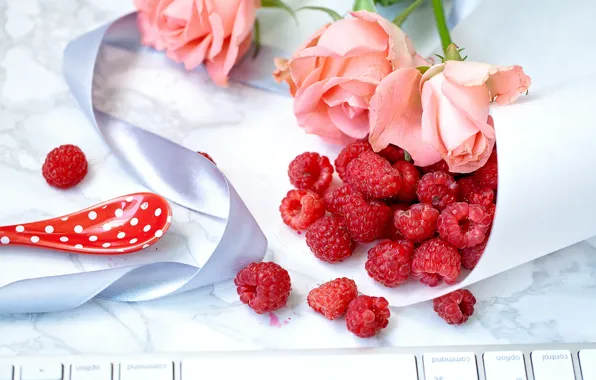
x=545, y=143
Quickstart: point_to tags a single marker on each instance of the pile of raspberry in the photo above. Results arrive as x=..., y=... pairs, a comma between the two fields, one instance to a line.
x=424, y=222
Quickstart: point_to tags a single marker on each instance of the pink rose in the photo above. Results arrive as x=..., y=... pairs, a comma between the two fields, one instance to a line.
x=334, y=74
x=215, y=32
x=443, y=114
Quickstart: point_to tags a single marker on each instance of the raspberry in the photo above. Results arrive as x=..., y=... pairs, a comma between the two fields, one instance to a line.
x=393, y=154
x=418, y=223
x=348, y=154
x=440, y=166
x=466, y=186
x=456, y=307
x=336, y=199
x=373, y=176
x=367, y=315
x=366, y=220
x=434, y=260
x=409, y=181
x=471, y=256
x=207, y=156
x=311, y=171
x=332, y=298
x=263, y=286
x=437, y=189
x=301, y=208
x=389, y=262
x=65, y=166
x=329, y=239
x=463, y=225
x=392, y=233
x=481, y=196
x=487, y=176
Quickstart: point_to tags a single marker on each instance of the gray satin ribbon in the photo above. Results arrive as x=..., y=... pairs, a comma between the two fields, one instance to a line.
x=166, y=168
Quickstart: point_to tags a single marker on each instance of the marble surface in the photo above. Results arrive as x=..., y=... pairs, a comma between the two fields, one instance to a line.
x=37, y=113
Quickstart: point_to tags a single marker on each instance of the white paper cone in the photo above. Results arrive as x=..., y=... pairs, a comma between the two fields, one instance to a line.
x=546, y=142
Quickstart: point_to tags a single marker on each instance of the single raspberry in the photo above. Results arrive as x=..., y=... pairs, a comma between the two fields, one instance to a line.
x=466, y=186
x=393, y=153
x=332, y=298
x=263, y=286
x=65, y=166
x=409, y=181
x=336, y=199
x=481, y=196
x=463, y=225
x=389, y=262
x=437, y=189
x=418, y=223
x=301, y=208
x=366, y=220
x=311, y=171
x=471, y=256
x=207, y=156
x=440, y=166
x=329, y=239
x=456, y=307
x=392, y=231
x=373, y=176
x=487, y=176
x=367, y=315
x=434, y=260
x=349, y=153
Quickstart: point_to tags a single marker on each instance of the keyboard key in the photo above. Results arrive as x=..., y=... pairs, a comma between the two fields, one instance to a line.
x=587, y=362
x=91, y=371
x=147, y=371
x=552, y=365
x=504, y=365
x=450, y=366
x=42, y=372
x=6, y=371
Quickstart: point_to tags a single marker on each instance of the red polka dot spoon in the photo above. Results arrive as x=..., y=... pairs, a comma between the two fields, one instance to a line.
x=122, y=225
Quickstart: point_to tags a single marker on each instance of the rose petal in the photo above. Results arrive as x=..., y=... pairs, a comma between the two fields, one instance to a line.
x=395, y=116
x=505, y=84
x=356, y=127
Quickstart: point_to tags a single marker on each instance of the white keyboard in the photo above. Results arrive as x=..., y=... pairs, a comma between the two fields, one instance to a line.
x=507, y=362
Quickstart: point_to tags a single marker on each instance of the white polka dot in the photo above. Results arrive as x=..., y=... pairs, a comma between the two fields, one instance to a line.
x=92, y=215
x=20, y=228
x=92, y=238
x=79, y=246
x=64, y=219
x=129, y=199
x=118, y=213
x=4, y=240
x=132, y=241
x=158, y=233
x=106, y=245
x=121, y=235
x=107, y=227
x=34, y=239
x=78, y=229
x=157, y=212
x=169, y=218
x=147, y=228
x=134, y=221
x=64, y=239
x=49, y=229
x=146, y=246
x=145, y=205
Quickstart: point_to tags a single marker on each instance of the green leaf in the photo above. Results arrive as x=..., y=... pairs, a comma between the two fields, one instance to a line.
x=407, y=156
x=333, y=14
x=386, y=3
x=400, y=19
x=257, y=36
x=280, y=5
x=364, y=5
x=422, y=69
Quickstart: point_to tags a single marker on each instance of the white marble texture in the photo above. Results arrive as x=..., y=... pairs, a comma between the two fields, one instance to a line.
x=37, y=113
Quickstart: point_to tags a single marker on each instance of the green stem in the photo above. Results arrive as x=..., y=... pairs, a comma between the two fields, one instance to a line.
x=364, y=5
x=399, y=20
x=442, y=24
